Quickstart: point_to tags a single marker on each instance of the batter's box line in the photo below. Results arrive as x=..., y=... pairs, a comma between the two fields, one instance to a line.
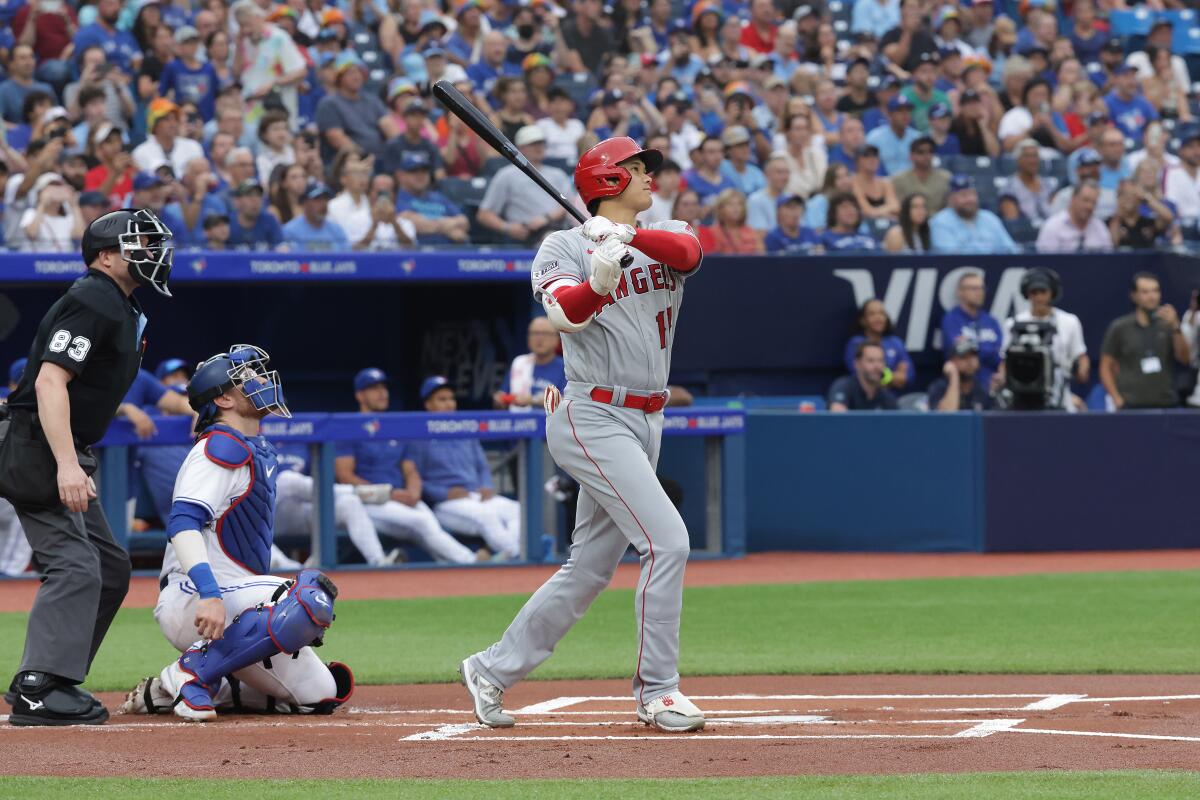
x=557, y=703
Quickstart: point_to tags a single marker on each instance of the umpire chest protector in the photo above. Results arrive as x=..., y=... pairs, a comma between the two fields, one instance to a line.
x=245, y=530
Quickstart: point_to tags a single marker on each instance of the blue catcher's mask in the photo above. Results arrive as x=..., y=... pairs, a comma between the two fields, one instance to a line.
x=244, y=366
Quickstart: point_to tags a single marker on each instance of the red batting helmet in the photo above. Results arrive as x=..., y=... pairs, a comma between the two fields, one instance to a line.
x=599, y=164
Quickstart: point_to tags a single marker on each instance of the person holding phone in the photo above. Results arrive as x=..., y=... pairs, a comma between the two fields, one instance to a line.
x=53, y=222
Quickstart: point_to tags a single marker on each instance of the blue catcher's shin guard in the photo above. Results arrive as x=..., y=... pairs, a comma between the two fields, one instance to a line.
x=296, y=620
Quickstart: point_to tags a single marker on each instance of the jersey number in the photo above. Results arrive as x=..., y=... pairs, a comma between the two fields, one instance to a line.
x=665, y=320
x=79, y=345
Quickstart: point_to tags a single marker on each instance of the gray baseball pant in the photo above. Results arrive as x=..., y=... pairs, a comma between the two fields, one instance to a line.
x=612, y=452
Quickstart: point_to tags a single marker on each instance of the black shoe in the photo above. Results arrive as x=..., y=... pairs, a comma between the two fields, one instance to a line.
x=42, y=699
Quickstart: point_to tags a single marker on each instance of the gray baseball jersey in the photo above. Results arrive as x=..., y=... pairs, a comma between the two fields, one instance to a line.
x=629, y=342
x=612, y=452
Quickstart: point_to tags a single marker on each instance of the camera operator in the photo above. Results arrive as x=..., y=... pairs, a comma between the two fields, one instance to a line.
x=1067, y=351
x=958, y=389
x=1137, y=361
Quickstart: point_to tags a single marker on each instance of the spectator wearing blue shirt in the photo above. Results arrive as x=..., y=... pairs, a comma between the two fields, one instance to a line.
x=187, y=78
x=875, y=17
x=705, y=177
x=1114, y=166
x=789, y=236
x=968, y=321
x=877, y=116
x=964, y=227
x=120, y=47
x=962, y=386
x=1087, y=40
x=251, y=227
x=312, y=229
x=842, y=232
x=941, y=119
x=437, y=219
x=895, y=138
x=457, y=481
x=760, y=206
x=1130, y=111
x=745, y=177
x=492, y=65
x=20, y=84
x=380, y=465
x=876, y=328
x=532, y=373
x=853, y=136
x=616, y=118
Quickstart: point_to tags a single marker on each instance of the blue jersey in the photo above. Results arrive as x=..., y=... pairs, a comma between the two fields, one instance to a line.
x=777, y=241
x=834, y=242
x=293, y=456
x=431, y=205
x=986, y=331
x=376, y=460
x=120, y=47
x=553, y=373
x=145, y=391
x=1130, y=116
x=198, y=85
x=447, y=463
x=265, y=233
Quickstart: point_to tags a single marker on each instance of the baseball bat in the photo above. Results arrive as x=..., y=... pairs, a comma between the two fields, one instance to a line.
x=476, y=120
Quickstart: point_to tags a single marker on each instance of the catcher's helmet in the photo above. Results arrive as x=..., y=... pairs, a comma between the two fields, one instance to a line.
x=244, y=366
x=599, y=164
x=142, y=240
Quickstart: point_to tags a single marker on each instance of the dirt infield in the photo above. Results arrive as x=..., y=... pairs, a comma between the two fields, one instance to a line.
x=880, y=724
x=17, y=595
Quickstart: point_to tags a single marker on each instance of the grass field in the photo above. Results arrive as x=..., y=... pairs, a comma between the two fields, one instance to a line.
x=1126, y=622
x=1008, y=785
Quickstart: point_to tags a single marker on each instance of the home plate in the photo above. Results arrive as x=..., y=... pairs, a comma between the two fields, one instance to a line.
x=781, y=720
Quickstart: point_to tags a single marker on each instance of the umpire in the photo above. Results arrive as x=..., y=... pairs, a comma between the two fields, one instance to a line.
x=84, y=357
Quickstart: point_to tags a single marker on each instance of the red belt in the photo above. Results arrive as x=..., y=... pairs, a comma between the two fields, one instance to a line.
x=649, y=403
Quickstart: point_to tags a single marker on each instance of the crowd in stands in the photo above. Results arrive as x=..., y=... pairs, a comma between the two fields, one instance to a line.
x=790, y=126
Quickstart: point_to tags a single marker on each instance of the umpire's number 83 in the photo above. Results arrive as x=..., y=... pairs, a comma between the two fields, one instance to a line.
x=79, y=345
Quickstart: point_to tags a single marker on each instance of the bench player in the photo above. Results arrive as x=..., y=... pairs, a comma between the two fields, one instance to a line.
x=244, y=635
x=614, y=291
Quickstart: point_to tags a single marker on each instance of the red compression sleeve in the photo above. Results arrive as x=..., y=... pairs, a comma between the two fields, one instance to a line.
x=578, y=302
x=679, y=251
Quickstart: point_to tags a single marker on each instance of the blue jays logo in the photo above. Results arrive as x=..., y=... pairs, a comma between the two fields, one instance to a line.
x=198, y=265
x=408, y=265
x=371, y=427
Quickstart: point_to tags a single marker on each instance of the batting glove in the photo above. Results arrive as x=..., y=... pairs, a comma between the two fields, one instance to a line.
x=606, y=266
x=600, y=228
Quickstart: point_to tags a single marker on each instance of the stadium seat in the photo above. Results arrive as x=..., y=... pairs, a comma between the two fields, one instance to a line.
x=971, y=165
x=494, y=165
x=913, y=401
x=1135, y=22
x=467, y=194
x=580, y=86
x=560, y=164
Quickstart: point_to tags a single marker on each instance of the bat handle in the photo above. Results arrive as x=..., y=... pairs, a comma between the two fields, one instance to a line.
x=626, y=260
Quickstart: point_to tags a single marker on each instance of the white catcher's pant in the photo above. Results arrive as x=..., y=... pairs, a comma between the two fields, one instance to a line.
x=294, y=505
x=419, y=525
x=303, y=680
x=496, y=520
x=15, y=551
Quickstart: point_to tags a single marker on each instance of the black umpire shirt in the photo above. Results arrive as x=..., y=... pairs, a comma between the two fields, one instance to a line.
x=94, y=332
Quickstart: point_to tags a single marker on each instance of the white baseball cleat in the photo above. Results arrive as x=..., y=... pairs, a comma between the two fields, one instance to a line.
x=672, y=713
x=192, y=703
x=148, y=697
x=487, y=697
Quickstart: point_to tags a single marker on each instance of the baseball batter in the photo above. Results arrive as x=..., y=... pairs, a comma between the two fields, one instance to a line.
x=245, y=635
x=614, y=291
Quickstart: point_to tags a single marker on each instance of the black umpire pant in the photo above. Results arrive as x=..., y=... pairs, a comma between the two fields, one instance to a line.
x=85, y=575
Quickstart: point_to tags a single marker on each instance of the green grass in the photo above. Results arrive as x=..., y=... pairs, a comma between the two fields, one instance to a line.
x=1083, y=623
x=1008, y=785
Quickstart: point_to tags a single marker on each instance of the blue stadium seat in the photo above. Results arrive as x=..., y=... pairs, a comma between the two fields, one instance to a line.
x=1185, y=31
x=467, y=194
x=580, y=86
x=971, y=165
x=1131, y=23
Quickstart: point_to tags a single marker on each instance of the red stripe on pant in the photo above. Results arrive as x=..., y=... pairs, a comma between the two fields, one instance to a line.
x=649, y=574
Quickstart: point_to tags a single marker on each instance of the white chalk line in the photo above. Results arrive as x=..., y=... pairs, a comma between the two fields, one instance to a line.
x=1052, y=702
x=704, y=737
x=1110, y=734
x=987, y=728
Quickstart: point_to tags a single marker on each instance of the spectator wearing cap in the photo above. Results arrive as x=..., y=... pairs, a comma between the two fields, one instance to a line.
x=113, y=174
x=964, y=227
x=150, y=191
x=843, y=225
x=416, y=115
x=761, y=205
x=857, y=97
x=20, y=84
x=904, y=44
x=401, y=91
x=510, y=209
x=312, y=229
x=435, y=219
x=875, y=17
x=1141, y=219
x=665, y=191
x=539, y=77
x=1160, y=39
x=1097, y=122
x=875, y=195
x=1077, y=228
x=216, y=232
x=562, y=130
x=895, y=139
x=961, y=387
x=706, y=176
x=1129, y=110
x=52, y=223
x=1181, y=185
x=680, y=61
x=187, y=77
x=758, y=32
x=945, y=143
x=921, y=93
x=348, y=117
x=615, y=117
x=788, y=235
x=729, y=232
x=950, y=70
x=1032, y=191
x=971, y=127
x=863, y=390
x=1112, y=55
x=273, y=63
x=924, y=179
x=165, y=145
x=467, y=39
x=92, y=205
x=1087, y=169
x=746, y=177
x=586, y=37
x=250, y=226
x=120, y=46
x=806, y=158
